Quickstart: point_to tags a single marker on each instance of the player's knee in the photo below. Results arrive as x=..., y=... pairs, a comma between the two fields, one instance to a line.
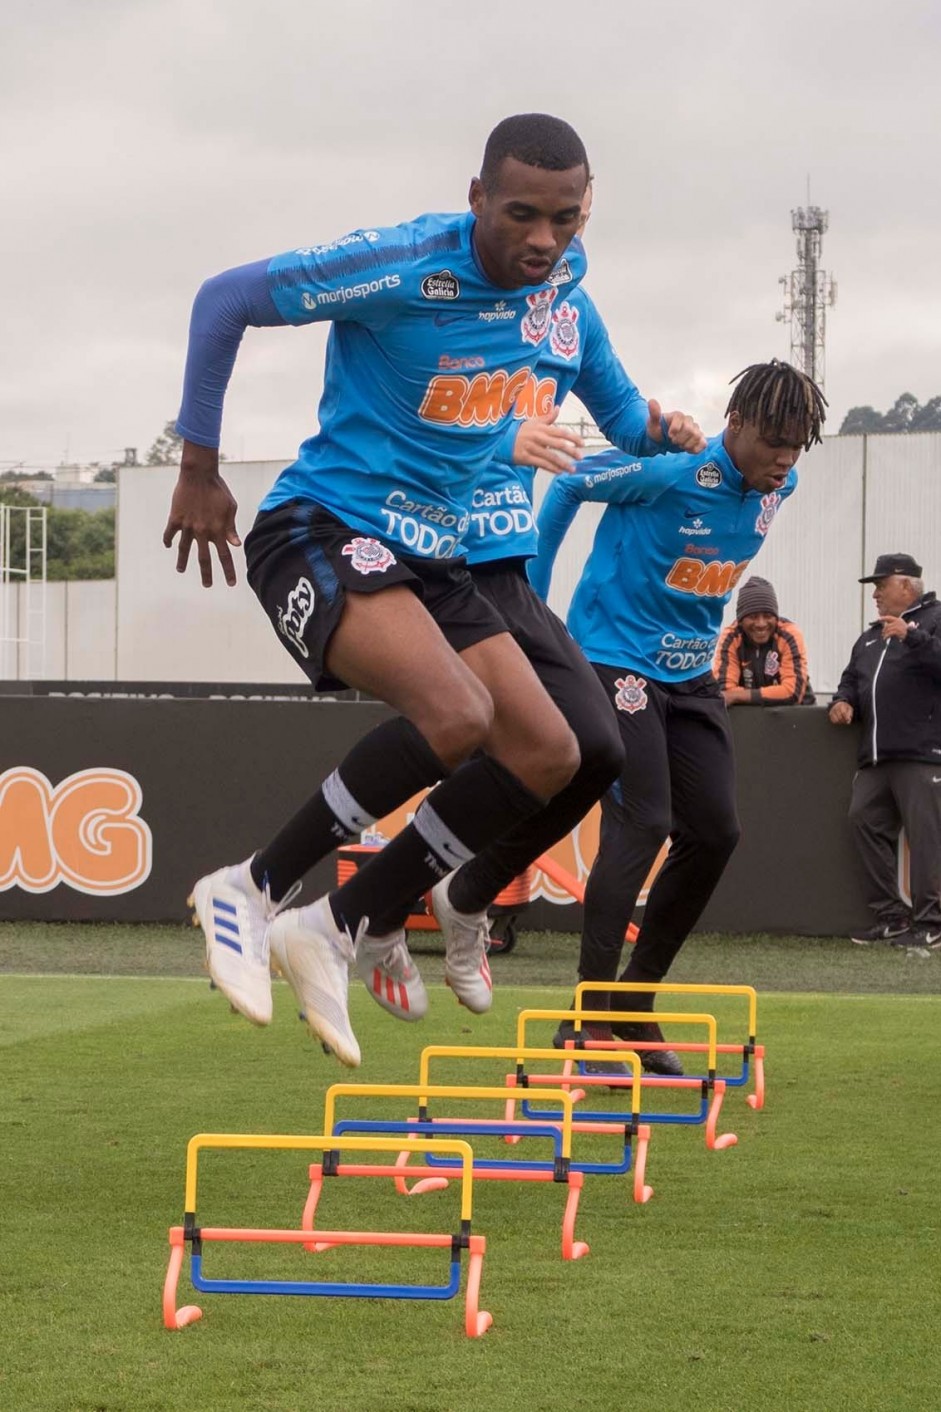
x=601, y=752
x=460, y=727
x=557, y=764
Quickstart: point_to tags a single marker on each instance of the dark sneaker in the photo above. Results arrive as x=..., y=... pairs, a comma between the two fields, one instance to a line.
x=881, y=934
x=918, y=939
x=566, y=1033
x=656, y=1061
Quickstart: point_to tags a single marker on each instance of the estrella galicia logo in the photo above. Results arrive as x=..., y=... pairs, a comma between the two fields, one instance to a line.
x=562, y=274
x=709, y=476
x=443, y=285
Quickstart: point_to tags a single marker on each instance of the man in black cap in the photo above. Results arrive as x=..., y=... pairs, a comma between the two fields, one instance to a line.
x=761, y=659
x=891, y=687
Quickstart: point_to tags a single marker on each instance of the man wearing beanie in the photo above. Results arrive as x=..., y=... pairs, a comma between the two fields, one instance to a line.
x=891, y=686
x=761, y=659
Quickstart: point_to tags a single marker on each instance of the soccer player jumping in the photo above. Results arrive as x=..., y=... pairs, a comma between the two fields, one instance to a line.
x=677, y=534
x=437, y=328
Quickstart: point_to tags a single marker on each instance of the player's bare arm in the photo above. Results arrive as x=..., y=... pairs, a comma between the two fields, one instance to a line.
x=202, y=509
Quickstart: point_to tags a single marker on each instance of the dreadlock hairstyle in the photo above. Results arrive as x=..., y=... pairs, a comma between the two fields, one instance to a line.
x=537, y=140
x=780, y=400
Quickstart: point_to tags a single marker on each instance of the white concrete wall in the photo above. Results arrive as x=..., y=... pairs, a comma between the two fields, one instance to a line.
x=858, y=497
x=170, y=628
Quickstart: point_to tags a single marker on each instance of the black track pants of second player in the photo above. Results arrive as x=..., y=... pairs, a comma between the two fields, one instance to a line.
x=678, y=781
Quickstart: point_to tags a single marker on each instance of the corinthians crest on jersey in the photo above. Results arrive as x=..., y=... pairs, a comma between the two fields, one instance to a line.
x=770, y=504
x=563, y=333
x=534, y=324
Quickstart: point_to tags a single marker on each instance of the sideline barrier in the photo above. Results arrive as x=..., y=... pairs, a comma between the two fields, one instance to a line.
x=751, y=1048
x=711, y=1090
x=560, y=1170
x=476, y=1321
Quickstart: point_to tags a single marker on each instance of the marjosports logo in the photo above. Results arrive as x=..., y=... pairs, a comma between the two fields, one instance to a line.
x=713, y=580
x=631, y=695
x=85, y=832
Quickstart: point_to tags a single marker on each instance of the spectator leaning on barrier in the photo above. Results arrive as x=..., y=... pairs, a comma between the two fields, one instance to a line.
x=891, y=687
x=761, y=659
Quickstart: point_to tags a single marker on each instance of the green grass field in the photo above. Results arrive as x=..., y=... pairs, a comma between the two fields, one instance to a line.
x=798, y=1270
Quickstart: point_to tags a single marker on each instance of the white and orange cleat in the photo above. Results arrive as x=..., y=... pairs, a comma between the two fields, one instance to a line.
x=466, y=940
x=390, y=975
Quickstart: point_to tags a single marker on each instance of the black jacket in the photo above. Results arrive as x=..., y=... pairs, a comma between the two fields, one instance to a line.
x=894, y=688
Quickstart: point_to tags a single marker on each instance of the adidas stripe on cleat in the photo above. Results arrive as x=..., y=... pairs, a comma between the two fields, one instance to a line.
x=390, y=975
x=234, y=915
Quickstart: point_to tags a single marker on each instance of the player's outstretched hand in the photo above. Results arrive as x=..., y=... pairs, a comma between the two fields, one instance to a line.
x=680, y=429
x=202, y=509
x=540, y=443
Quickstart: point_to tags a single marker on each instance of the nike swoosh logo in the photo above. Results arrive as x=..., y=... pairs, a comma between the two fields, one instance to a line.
x=442, y=320
x=689, y=514
x=936, y=779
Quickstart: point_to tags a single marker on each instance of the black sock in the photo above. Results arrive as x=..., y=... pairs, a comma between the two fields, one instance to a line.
x=457, y=819
x=381, y=771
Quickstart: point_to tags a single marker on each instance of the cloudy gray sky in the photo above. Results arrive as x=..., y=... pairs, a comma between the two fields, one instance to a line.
x=145, y=144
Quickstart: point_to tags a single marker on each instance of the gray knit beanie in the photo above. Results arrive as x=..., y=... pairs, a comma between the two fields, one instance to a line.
x=756, y=596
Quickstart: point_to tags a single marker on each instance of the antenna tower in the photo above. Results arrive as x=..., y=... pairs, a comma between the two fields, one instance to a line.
x=808, y=291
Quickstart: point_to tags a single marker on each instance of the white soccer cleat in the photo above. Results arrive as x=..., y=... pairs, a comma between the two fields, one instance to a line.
x=390, y=975
x=234, y=915
x=314, y=956
x=466, y=940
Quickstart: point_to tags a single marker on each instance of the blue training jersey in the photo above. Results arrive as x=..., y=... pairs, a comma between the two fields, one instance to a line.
x=425, y=363
x=577, y=357
x=678, y=534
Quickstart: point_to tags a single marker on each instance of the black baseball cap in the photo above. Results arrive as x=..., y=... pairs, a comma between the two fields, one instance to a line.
x=887, y=564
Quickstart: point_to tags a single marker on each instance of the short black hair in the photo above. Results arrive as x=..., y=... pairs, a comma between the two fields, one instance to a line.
x=537, y=140
x=779, y=399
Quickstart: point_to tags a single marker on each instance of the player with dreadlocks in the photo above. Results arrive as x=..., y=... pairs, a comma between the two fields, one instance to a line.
x=677, y=535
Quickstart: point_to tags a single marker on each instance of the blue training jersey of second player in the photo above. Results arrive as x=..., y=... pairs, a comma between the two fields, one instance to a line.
x=425, y=362
x=677, y=535
x=577, y=357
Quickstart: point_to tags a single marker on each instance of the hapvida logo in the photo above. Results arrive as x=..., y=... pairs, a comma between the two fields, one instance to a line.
x=85, y=832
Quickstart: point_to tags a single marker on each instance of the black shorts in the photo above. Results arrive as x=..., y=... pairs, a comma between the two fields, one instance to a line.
x=556, y=658
x=302, y=562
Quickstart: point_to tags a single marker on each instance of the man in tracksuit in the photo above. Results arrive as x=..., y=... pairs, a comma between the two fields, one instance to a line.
x=891, y=686
x=676, y=536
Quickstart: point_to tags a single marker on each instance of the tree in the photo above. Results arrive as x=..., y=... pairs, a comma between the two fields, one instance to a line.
x=107, y=475
x=79, y=543
x=168, y=447
x=899, y=415
x=860, y=421
x=927, y=418
x=904, y=415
